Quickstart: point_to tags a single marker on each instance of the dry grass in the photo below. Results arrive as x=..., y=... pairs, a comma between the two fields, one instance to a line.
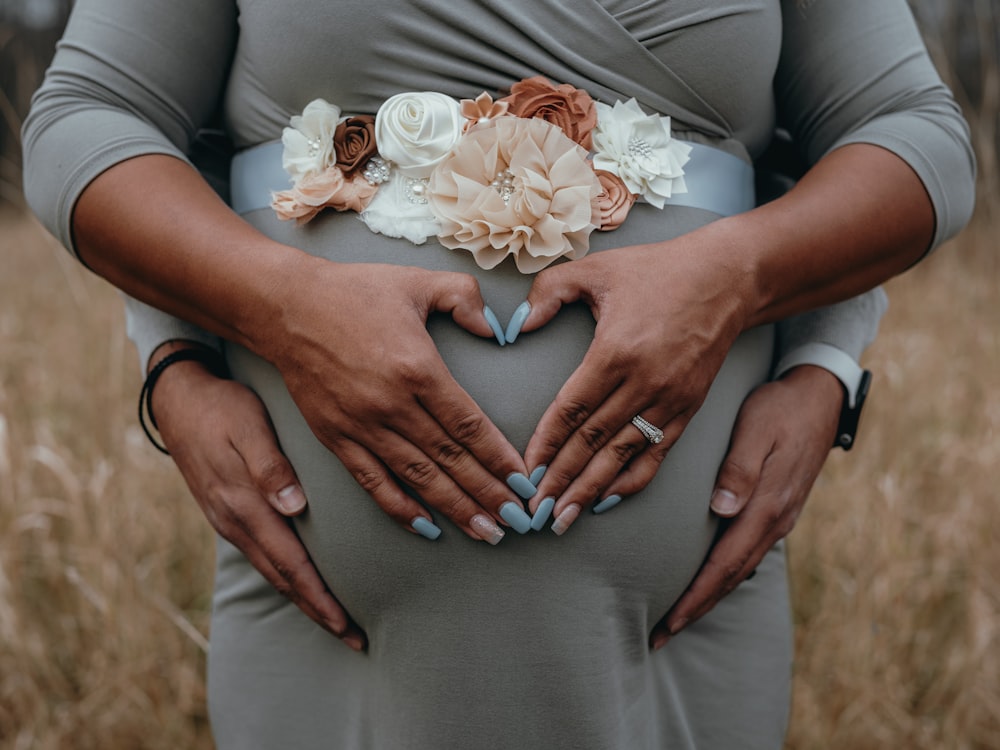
x=105, y=562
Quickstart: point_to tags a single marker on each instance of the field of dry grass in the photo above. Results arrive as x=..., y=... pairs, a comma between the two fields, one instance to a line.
x=105, y=561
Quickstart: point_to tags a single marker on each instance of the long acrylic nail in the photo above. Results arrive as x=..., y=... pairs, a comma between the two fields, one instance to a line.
x=724, y=502
x=486, y=528
x=491, y=318
x=521, y=485
x=291, y=499
x=516, y=321
x=538, y=474
x=607, y=504
x=425, y=528
x=514, y=514
x=565, y=519
x=542, y=513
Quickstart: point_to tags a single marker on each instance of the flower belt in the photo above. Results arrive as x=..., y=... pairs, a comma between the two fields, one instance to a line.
x=530, y=175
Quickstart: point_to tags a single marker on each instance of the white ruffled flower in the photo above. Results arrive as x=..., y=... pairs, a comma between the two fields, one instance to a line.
x=309, y=141
x=396, y=211
x=640, y=150
x=416, y=131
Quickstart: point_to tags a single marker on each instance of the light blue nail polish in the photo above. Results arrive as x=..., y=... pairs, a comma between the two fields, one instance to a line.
x=514, y=514
x=542, y=514
x=516, y=321
x=537, y=474
x=425, y=528
x=491, y=318
x=521, y=485
x=607, y=503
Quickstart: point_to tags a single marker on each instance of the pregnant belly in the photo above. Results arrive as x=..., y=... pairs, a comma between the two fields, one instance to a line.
x=621, y=570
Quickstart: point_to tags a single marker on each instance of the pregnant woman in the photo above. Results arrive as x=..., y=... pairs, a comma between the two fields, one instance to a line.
x=379, y=359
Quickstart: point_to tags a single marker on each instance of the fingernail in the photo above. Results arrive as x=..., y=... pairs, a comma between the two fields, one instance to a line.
x=607, y=504
x=291, y=500
x=521, y=485
x=724, y=502
x=425, y=528
x=514, y=514
x=516, y=321
x=565, y=519
x=538, y=474
x=542, y=513
x=491, y=318
x=659, y=641
x=486, y=528
x=677, y=626
x=354, y=642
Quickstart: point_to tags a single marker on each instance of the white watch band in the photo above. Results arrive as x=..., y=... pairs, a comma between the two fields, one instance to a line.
x=830, y=358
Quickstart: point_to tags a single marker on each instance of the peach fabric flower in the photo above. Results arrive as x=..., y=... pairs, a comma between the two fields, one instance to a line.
x=614, y=201
x=354, y=143
x=565, y=106
x=550, y=208
x=315, y=192
x=481, y=110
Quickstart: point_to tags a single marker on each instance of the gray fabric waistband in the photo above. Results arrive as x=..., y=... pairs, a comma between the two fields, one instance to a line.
x=716, y=181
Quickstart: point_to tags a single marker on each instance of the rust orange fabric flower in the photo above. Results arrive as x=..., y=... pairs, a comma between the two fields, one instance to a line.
x=614, y=201
x=518, y=187
x=567, y=107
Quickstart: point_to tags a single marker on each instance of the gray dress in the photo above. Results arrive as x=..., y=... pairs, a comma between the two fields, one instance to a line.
x=540, y=642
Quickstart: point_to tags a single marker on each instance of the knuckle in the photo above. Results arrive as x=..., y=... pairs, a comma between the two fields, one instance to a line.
x=734, y=470
x=573, y=413
x=593, y=435
x=370, y=480
x=467, y=427
x=466, y=285
x=418, y=474
x=449, y=454
x=624, y=451
x=271, y=472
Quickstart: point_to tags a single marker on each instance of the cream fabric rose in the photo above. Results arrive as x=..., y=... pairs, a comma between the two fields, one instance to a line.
x=416, y=131
x=309, y=141
x=551, y=207
x=640, y=150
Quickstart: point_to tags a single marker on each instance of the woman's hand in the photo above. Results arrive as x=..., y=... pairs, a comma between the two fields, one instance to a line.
x=352, y=346
x=667, y=315
x=221, y=439
x=781, y=439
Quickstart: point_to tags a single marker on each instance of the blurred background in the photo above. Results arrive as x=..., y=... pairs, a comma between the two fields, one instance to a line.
x=105, y=561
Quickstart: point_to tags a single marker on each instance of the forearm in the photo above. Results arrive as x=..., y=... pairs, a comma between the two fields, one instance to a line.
x=197, y=259
x=826, y=240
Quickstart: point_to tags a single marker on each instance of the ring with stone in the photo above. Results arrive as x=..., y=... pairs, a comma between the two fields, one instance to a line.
x=651, y=432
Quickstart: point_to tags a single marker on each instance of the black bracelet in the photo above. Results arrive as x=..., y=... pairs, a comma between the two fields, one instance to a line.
x=208, y=357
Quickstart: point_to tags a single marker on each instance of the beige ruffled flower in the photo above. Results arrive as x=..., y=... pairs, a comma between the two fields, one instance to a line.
x=519, y=187
x=328, y=188
x=565, y=106
x=614, y=201
x=354, y=143
x=481, y=110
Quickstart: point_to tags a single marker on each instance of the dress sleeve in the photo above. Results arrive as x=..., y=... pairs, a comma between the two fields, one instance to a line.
x=857, y=71
x=128, y=79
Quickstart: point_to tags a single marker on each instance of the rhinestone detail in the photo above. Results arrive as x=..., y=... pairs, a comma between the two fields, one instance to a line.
x=376, y=171
x=638, y=148
x=503, y=183
x=416, y=190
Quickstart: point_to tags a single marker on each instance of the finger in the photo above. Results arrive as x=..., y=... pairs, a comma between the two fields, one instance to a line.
x=739, y=475
x=268, y=468
x=271, y=546
x=459, y=295
x=605, y=481
x=551, y=289
x=737, y=553
x=417, y=471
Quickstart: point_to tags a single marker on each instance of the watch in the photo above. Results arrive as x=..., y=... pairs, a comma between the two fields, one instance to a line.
x=855, y=380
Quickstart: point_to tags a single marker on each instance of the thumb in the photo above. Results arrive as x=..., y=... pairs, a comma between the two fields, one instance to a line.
x=740, y=472
x=552, y=288
x=459, y=294
x=270, y=471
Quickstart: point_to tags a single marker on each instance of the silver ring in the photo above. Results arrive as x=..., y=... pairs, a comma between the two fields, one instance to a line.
x=651, y=432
